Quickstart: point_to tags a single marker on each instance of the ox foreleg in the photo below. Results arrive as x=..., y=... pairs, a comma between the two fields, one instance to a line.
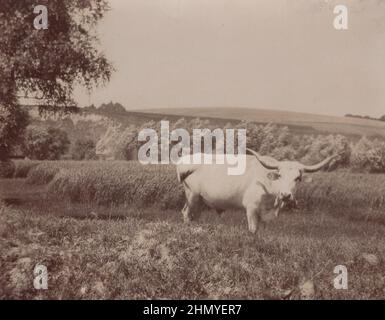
x=192, y=201
x=186, y=213
x=252, y=219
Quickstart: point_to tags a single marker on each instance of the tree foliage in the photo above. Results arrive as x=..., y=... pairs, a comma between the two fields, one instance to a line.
x=45, y=144
x=84, y=149
x=13, y=122
x=272, y=140
x=118, y=143
x=46, y=64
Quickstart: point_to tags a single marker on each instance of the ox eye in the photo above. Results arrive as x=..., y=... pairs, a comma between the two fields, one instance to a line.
x=273, y=175
x=298, y=179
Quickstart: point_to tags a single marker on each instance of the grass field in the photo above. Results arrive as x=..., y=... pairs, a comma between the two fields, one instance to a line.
x=136, y=246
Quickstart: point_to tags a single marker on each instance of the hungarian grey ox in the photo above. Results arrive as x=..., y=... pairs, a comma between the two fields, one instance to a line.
x=265, y=186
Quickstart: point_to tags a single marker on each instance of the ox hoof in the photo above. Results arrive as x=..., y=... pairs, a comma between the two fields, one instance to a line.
x=187, y=219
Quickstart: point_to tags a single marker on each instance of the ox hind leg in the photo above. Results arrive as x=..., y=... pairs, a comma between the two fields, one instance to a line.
x=219, y=212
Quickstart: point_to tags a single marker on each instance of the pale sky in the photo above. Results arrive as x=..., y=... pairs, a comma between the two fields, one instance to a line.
x=270, y=54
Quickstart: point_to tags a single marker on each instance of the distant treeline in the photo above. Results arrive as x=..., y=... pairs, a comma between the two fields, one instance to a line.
x=110, y=107
x=348, y=115
x=108, y=139
x=270, y=139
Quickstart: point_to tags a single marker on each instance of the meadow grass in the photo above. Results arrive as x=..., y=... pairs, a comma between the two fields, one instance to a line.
x=154, y=255
x=135, y=245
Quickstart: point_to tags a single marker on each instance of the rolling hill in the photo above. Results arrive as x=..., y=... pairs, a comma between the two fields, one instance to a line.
x=298, y=122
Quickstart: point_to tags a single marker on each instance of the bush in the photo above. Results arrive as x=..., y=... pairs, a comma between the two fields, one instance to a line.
x=118, y=143
x=45, y=144
x=324, y=146
x=84, y=149
x=13, y=121
x=280, y=143
x=376, y=158
x=369, y=156
x=359, y=158
x=266, y=139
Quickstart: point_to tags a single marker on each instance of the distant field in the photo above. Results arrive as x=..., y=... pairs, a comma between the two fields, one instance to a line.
x=309, y=122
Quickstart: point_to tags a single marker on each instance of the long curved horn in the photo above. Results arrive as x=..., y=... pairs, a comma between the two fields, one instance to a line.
x=320, y=165
x=266, y=164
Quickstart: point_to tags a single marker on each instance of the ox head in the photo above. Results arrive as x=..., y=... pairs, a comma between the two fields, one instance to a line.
x=287, y=174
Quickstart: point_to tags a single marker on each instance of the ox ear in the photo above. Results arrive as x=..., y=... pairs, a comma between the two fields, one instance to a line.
x=267, y=164
x=308, y=179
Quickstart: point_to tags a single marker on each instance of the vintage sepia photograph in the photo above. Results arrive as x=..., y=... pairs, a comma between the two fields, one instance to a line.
x=194, y=150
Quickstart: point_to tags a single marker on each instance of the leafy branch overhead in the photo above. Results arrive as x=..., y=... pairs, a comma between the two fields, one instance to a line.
x=47, y=64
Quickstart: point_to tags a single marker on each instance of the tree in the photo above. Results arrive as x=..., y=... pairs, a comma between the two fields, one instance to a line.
x=111, y=108
x=84, y=149
x=119, y=143
x=127, y=144
x=13, y=122
x=46, y=65
x=107, y=143
x=45, y=144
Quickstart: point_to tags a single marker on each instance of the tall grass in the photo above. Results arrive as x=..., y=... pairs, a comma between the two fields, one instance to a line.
x=133, y=184
x=46, y=170
x=344, y=190
x=23, y=167
x=119, y=182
